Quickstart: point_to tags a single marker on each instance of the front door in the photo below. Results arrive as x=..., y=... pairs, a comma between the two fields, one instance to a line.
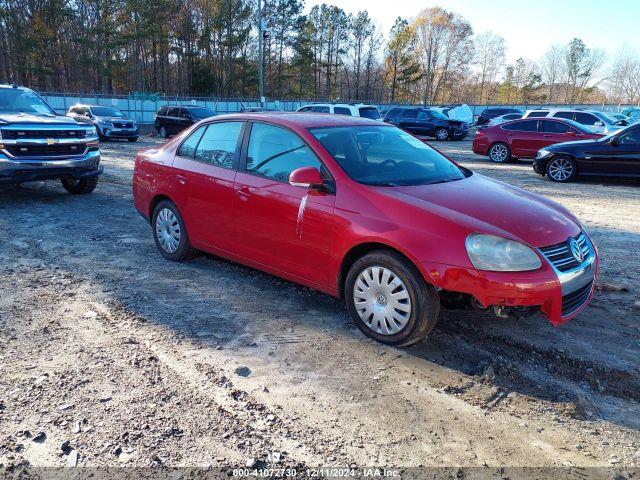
x=205, y=166
x=281, y=226
x=620, y=157
x=522, y=137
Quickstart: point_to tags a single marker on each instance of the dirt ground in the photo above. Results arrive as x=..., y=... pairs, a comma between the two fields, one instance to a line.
x=110, y=355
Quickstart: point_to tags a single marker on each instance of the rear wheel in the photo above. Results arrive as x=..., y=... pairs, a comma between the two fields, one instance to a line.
x=80, y=187
x=562, y=169
x=170, y=233
x=389, y=300
x=499, y=153
x=442, y=134
x=164, y=133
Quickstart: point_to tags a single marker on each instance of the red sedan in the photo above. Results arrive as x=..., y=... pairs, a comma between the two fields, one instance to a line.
x=524, y=137
x=365, y=212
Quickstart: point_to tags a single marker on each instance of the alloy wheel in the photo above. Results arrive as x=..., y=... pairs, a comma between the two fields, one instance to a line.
x=168, y=230
x=499, y=153
x=442, y=134
x=382, y=300
x=560, y=169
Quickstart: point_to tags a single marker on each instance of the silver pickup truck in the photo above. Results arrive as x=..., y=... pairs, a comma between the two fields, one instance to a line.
x=38, y=144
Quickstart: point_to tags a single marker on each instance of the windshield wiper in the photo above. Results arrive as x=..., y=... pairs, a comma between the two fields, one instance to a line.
x=444, y=180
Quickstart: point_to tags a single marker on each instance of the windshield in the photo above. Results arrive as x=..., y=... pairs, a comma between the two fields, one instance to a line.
x=439, y=115
x=201, y=112
x=606, y=117
x=386, y=156
x=16, y=100
x=370, y=112
x=107, y=112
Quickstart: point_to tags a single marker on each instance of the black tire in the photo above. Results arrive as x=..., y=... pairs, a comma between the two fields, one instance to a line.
x=496, y=152
x=424, y=301
x=562, y=169
x=184, y=250
x=441, y=134
x=80, y=187
x=102, y=138
x=163, y=132
x=135, y=139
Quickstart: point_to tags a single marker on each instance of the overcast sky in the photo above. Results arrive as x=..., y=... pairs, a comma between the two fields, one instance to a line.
x=529, y=27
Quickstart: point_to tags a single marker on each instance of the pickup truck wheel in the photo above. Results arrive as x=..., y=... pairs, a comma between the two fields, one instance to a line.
x=80, y=187
x=169, y=232
x=442, y=134
x=389, y=300
x=499, y=153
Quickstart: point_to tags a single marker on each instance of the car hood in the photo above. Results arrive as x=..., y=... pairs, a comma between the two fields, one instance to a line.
x=484, y=205
x=563, y=146
x=40, y=119
x=114, y=119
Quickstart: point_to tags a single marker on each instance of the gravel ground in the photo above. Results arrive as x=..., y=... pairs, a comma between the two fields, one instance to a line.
x=110, y=355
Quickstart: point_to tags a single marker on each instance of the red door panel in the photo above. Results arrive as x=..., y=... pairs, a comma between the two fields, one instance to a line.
x=284, y=227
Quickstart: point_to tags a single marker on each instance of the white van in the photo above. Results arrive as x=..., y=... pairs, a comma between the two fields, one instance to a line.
x=350, y=109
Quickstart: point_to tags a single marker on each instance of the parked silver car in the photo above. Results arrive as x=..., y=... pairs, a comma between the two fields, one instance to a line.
x=110, y=122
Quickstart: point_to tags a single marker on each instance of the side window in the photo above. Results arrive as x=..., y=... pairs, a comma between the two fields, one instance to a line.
x=162, y=111
x=549, y=126
x=631, y=138
x=188, y=147
x=320, y=109
x=342, y=111
x=538, y=114
x=305, y=109
x=410, y=114
x=567, y=115
x=275, y=152
x=172, y=112
x=218, y=144
x=422, y=115
x=586, y=118
x=523, y=126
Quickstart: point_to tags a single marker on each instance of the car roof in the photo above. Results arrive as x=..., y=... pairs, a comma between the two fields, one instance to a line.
x=549, y=119
x=301, y=119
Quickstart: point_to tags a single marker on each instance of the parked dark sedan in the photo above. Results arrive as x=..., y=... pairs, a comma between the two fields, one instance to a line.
x=424, y=121
x=174, y=119
x=489, y=113
x=615, y=155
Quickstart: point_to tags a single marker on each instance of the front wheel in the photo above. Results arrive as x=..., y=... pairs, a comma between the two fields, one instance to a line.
x=164, y=133
x=169, y=232
x=499, y=153
x=389, y=300
x=562, y=169
x=80, y=187
x=442, y=134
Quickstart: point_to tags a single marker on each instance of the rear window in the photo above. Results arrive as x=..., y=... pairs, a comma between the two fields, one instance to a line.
x=587, y=118
x=567, y=115
x=369, y=112
x=522, y=126
x=412, y=113
x=162, y=111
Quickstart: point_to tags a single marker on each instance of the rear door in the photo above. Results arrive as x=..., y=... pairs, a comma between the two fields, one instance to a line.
x=522, y=137
x=281, y=226
x=205, y=169
x=619, y=158
x=408, y=120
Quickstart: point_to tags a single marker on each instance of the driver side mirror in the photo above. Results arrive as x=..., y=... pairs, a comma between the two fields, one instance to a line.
x=308, y=177
x=599, y=123
x=613, y=141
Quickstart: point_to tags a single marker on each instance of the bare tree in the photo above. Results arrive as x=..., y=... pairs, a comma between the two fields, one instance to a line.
x=552, y=70
x=490, y=52
x=624, y=80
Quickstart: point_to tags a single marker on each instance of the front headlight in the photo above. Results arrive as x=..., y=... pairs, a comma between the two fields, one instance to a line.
x=488, y=252
x=91, y=132
x=543, y=153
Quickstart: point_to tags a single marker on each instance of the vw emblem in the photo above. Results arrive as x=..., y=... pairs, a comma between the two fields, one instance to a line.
x=576, y=251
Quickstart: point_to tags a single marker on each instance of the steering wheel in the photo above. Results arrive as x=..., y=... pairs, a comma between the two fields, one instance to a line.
x=390, y=162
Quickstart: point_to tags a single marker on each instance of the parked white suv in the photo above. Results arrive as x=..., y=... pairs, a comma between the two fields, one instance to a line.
x=600, y=122
x=350, y=109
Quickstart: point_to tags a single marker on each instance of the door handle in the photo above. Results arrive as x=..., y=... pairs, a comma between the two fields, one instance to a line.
x=244, y=193
x=181, y=180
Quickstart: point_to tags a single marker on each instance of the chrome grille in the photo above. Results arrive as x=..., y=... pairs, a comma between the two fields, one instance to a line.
x=560, y=256
x=19, y=134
